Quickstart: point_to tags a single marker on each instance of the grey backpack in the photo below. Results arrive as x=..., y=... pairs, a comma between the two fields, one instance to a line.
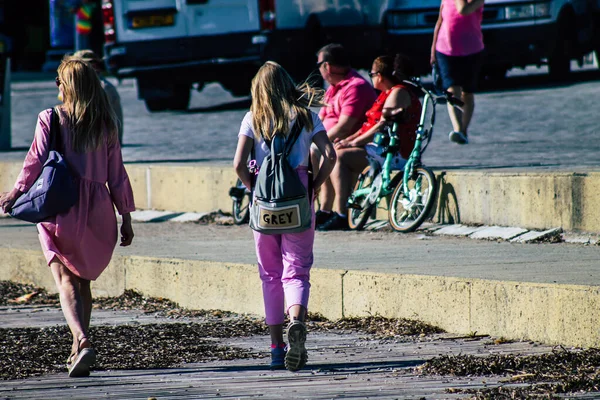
x=280, y=202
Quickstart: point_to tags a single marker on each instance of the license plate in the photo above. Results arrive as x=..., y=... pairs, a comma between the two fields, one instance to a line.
x=149, y=21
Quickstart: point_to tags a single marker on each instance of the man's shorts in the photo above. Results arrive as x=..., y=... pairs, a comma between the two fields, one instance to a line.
x=460, y=71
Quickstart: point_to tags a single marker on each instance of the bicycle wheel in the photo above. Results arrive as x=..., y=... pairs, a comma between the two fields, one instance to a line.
x=408, y=211
x=241, y=203
x=359, y=207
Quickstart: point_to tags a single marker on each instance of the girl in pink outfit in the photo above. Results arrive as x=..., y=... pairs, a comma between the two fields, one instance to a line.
x=284, y=260
x=457, y=49
x=79, y=244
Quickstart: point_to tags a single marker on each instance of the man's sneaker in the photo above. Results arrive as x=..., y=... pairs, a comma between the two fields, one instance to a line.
x=335, y=223
x=278, y=357
x=296, y=356
x=321, y=217
x=458, y=137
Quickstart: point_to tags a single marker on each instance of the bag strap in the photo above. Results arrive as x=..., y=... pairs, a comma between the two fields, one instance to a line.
x=55, y=136
x=291, y=140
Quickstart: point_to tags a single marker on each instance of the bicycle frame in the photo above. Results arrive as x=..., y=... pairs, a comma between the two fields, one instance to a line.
x=429, y=99
x=414, y=160
x=379, y=190
x=383, y=172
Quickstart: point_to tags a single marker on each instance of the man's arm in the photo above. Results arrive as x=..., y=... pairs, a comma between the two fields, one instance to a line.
x=466, y=7
x=345, y=127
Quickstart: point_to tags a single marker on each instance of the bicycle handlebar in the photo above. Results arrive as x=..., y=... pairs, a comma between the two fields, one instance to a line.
x=416, y=82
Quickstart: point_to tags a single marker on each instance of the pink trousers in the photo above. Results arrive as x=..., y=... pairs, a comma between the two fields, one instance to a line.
x=284, y=263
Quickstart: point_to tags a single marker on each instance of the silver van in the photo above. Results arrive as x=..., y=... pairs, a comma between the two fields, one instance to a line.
x=169, y=46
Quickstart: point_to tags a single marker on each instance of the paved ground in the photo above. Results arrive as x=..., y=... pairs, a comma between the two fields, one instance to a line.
x=528, y=123
x=341, y=365
x=523, y=122
x=371, y=251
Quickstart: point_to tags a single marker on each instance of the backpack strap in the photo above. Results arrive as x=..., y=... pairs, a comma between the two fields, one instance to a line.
x=293, y=137
x=290, y=140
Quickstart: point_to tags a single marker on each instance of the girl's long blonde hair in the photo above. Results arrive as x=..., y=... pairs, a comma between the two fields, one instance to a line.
x=89, y=112
x=276, y=99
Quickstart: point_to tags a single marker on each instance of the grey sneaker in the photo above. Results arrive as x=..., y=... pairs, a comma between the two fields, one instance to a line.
x=458, y=137
x=296, y=356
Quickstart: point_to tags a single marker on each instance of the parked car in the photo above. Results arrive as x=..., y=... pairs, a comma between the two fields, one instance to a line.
x=517, y=33
x=170, y=45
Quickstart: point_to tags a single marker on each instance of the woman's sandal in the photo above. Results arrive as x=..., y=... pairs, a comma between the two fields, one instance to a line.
x=79, y=363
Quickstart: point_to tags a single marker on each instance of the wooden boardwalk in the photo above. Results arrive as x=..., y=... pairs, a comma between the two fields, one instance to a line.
x=341, y=365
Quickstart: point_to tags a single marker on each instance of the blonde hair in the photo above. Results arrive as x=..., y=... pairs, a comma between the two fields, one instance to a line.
x=87, y=107
x=275, y=99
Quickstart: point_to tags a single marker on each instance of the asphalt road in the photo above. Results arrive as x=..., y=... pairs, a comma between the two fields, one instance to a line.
x=523, y=122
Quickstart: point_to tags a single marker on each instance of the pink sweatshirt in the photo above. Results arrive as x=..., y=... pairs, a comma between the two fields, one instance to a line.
x=459, y=35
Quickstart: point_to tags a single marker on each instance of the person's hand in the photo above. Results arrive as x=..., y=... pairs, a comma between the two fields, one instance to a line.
x=126, y=231
x=341, y=144
x=316, y=191
x=432, y=58
x=8, y=199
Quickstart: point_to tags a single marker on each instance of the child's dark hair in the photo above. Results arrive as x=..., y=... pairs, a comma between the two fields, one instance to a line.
x=396, y=69
x=403, y=67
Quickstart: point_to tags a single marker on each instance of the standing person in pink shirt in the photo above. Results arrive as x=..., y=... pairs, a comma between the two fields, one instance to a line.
x=79, y=244
x=347, y=100
x=457, y=50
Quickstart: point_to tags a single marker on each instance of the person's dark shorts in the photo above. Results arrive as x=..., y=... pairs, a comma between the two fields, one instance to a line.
x=460, y=71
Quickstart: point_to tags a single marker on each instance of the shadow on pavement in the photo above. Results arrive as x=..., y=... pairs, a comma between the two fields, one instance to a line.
x=15, y=149
x=536, y=81
x=17, y=226
x=447, y=207
x=330, y=367
x=231, y=106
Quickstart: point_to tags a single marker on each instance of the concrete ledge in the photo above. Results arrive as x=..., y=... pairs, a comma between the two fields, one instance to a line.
x=549, y=313
x=531, y=200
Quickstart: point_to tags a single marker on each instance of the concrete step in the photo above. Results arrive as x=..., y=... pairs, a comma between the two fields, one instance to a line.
x=527, y=199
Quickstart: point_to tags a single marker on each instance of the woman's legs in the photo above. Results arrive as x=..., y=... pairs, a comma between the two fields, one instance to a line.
x=468, y=109
x=75, y=306
x=86, y=297
x=351, y=161
x=456, y=116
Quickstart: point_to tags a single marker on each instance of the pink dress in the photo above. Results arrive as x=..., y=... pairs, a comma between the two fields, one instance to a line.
x=84, y=238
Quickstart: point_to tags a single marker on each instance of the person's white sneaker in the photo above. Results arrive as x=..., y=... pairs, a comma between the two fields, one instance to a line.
x=458, y=137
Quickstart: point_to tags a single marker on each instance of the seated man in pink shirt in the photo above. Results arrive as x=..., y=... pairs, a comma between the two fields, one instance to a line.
x=348, y=98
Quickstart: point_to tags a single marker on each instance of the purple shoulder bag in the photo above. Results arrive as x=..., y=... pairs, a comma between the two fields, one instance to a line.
x=55, y=191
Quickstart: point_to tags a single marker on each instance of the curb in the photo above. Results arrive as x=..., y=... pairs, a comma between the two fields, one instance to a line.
x=550, y=313
x=531, y=200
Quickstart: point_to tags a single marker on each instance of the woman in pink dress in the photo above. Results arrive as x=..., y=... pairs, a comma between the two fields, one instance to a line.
x=79, y=244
